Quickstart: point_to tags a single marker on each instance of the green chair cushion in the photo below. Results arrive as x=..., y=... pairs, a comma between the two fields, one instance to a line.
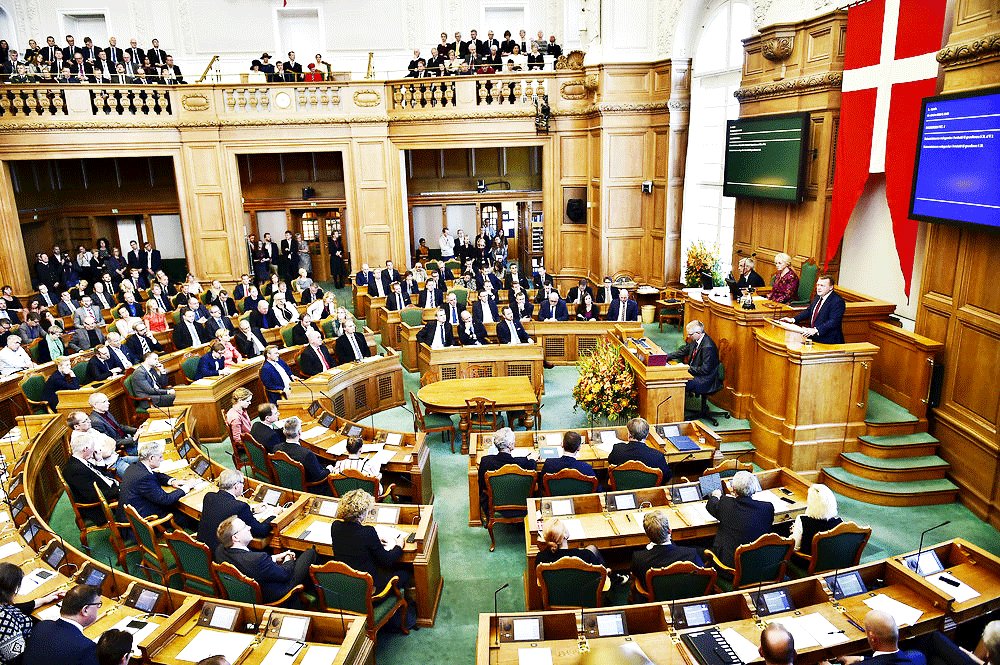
x=438, y=420
x=384, y=607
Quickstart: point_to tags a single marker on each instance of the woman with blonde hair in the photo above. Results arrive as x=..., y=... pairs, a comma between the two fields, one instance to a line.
x=553, y=544
x=155, y=319
x=785, y=285
x=230, y=354
x=821, y=515
x=237, y=418
x=358, y=544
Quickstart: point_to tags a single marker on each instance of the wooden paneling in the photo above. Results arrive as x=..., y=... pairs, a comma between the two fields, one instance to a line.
x=624, y=208
x=573, y=156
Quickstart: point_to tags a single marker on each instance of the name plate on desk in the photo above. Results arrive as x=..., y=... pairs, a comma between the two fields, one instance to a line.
x=648, y=352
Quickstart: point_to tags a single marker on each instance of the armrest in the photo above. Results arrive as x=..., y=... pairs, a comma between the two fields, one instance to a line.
x=393, y=586
x=294, y=591
x=387, y=492
x=717, y=563
x=157, y=522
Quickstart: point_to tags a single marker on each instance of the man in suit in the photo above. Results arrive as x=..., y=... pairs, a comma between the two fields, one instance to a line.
x=293, y=67
x=241, y=290
x=315, y=358
x=216, y=321
x=119, y=356
x=212, y=363
x=262, y=318
x=315, y=471
x=275, y=374
x=540, y=278
x=289, y=261
x=49, y=50
x=437, y=333
x=377, y=285
x=271, y=247
x=503, y=440
x=364, y=276
x=249, y=340
x=115, y=54
x=62, y=640
x=636, y=449
x=660, y=552
x=66, y=306
x=623, y=309
x=453, y=310
x=156, y=55
x=86, y=307
x=702, y=356
x=577, y=293
x=149, y=381
x=351, y=345
x=189, y=332
x=130, y=306
x=135, y=258
x=71, y=49
x=471, y=332
x=824, y=315
x=777, y=646
x=99, y=366
x=607, y=291
x=742, y=519
x=226, y=503
x=522, y=307
x=141, y=341
x=169, y=65
x=80, y=475
x=105, y=422
x=431, y=296
x=554, y=50
x=86, y=337
x=883, y=638
x=136, y=53
x=276, y=574
x=311, y=294
x=553, y=308
x=195, y=305
x=300, y=331
x=142, y=485
x=510, y=330
x=102, y=299
x=514, y=277
x=485, y=308
x=397, y=300
x=263, y=430
x=571, y=446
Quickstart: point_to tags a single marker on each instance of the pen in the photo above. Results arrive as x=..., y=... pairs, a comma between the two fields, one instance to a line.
x=853, y=623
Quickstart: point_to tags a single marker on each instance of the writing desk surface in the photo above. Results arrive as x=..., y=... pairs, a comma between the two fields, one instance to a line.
x=504, y=390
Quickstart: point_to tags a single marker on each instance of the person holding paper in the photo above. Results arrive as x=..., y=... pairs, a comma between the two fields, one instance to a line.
x=571, y=446
x=354, y=460
x=742, y=519
x=637, y=449
x=226, y=503
x=142, y=484
x=276, y=574
x=62, y=640
x=883, y=638
x=820, y=515
x=15, y=618
x=358, y=544
x=503, y=439
x=660, y=552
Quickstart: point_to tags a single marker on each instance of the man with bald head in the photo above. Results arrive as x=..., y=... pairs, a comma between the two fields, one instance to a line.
x=883, y=638
x=777, y=647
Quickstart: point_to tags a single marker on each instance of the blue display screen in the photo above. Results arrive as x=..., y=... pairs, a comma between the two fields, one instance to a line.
x=958, y=159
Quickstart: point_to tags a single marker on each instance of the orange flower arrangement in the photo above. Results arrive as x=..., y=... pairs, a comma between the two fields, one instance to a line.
x=606, y=387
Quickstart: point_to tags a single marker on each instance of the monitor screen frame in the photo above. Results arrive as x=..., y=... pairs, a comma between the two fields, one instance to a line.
x=805, y=150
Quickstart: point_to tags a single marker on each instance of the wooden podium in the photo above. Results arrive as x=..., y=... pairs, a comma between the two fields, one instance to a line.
x=498, y=359
x=808, y=400
x=661, y=389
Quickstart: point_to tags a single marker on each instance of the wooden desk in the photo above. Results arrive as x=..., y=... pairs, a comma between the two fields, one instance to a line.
x=565, y=342
x=79, y=399
x=617, y=533
x=356, y=389
x=967, y=563
x=594, y=451
x=660, y=389
x=808, y=400
x=498, y=359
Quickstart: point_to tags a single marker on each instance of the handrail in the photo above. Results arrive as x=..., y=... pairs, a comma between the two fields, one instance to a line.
x=207, y=69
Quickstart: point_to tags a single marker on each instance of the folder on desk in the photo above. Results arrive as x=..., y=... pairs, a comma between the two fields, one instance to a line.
x=685, y=444
x=710, y=647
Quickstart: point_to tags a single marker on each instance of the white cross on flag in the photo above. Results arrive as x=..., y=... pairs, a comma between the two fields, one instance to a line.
x=889, y=67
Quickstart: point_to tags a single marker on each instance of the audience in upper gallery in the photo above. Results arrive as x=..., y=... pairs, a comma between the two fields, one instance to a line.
x=742, y=519
x=635, y=449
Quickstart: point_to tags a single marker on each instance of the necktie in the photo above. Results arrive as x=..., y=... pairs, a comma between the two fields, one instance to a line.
x=621, y=310
x=819, y=303
x=471, y=330
x=222, y=306
x=113, y=53
x=454, y=314
x=354, y=347
x=439, y=335
x=430, y=298
x=142, y=343
x=322, y=359
x=513, y=333
x=114, y=425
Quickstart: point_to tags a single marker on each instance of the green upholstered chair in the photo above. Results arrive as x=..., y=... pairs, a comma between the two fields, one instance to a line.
x=461, y=295
x=153, y=550
x=352, y=479
x=728, y=468
x=571, y=582
x=80, y=370
x=432, y=422
x=32, y=387
x=190, y=367
x=412, y=316
x=507, y=492
x=236, y=586
x=568, y=482
x=290, y=474
x=679, y=580
x=140, y=405
x=839, y=547
x=339, y=587
x=763, y=561
x=451, y=265
x=286, y=334
x=84, y=524
x=194, y=563
x=807, y=282
x=260, y=468
x=633, y=475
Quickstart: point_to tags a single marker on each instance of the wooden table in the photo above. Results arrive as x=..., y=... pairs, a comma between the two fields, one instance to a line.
x=511, y=393
x=355, y=389
x=497, y=359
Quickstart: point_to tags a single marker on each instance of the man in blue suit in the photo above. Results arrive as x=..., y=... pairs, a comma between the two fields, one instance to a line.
x=553, y=308
x=212, y=363
x=883, y=638
x=623, y=309
x=636, y=449
x=571, y=446
x=660, y=552
x=510, y=330
x=824, y=317
x=276, y=574
x=62, y=640
x=226, y=503
x=276, y=375
x=142, y=484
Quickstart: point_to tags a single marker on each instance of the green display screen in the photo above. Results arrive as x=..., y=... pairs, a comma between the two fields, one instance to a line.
x=765, y=157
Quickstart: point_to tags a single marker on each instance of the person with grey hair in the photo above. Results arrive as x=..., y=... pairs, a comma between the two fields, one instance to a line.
x=702, y=357
x=777, y=646
x=989, y=649
x=81, y=475
x=227, y=502
x=142, y=485
x=742, y=519
x=504, y=440
x=660, y=552
x=315, y=471
x=13, y=358
x=637, y=449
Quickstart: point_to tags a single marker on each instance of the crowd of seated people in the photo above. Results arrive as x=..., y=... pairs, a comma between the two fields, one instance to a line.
x=461, y=57
x=90, y=63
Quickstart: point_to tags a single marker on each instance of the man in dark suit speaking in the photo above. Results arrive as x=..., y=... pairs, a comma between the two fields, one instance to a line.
x=702, y=356
x=824, y=317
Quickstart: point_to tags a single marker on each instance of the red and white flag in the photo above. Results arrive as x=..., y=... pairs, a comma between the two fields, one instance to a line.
x=889, y=67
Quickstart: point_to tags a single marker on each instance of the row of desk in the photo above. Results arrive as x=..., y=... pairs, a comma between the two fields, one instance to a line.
x=823, y=626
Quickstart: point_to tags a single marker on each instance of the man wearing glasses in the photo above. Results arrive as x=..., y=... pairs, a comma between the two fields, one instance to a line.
x=13, y=358
x=62, y=640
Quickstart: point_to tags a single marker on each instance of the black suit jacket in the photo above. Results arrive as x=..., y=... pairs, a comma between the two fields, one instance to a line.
x=358, y=546
x=557, y=464
x=98, y=370
x=243, y=343
x=661, y=556
x=345, y=353
x=299, y=334
x=265, y=435
x=637, y=450
x=81, y=478
x=314, y=470
x=134, y=346
x=309, y=362
x=828, y=321
x=428, y=332
x=212, y=325
x=182, y=336
x=220, y=505
x=503, y=332
x=466, y=338
x=438, y=298
x=477, y=310
x=575, y=292
x=275, y=581
x=703, y=362
x=742, y=520
x=494, y=462
x=60, y=642
x=142, y=490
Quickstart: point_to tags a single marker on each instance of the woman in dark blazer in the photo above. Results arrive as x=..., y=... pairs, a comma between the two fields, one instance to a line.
x=358, y=545
x=587, y=310
x=62, y=379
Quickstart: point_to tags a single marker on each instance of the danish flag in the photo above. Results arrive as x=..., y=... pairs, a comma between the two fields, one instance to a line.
x=889, y=67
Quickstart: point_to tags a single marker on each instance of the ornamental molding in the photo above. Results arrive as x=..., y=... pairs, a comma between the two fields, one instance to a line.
x=813, y=83
x=194, y=102
x=970, y=51
x=572, y=61
x=573, y=89
x=679, y=105
x=367, y=98
x=777, y=49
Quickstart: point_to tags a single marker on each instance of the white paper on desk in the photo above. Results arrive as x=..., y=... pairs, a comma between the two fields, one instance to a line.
x=521, y=452
x=381, y=458
x=34, y=579
x=574, y=529
x=534, y=656
x=293, y=627
x=960, y=593
x=216, y=643
x=372, y=447
x=10, y=549
x=604, y=448
x=393, y=439
x=800, y=632
x=388, y=535
x=138, y=634
x=387, y=515
x=339, y=448
x=315, y=432
x=50, y=613
x=696, y=513
x=4, y=517
x=744, y=648
x=904, y=614
x=821, y=629
x=13, y=435
x=318, y=532
x=371, y=359
x=317, y=654
x=328, y=508
x=276, y=655
x=160, y=426
x=609, y=436
x=170, y=465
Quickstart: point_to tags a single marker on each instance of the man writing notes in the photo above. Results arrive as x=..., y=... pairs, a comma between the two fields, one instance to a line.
x=824, y=315
x=702, y=356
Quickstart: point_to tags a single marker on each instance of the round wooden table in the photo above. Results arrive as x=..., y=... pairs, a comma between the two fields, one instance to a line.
x=511, y=393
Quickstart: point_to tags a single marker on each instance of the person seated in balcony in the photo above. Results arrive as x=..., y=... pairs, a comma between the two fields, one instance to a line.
x=535, y=59
x=312, y=76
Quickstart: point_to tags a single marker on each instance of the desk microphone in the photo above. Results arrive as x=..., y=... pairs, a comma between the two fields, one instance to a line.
x=496, y=621
x=665, y=400
x=312, y=395
x=914, y=564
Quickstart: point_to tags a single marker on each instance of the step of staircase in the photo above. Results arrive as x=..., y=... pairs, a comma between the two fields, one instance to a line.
x=883, y=493
x=894, y=469
x=735, y=448
x=919, y=444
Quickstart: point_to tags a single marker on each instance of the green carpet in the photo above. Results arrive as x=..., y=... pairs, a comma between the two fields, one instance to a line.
x=472, y=572
x=891, y=487
x=883, y=410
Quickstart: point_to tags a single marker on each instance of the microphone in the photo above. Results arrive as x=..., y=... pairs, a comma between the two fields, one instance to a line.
x=114, y=578
x=665, y=400
x=252, y=624
x=336, y=595
x=312, y=395
x=836, y=585
x=674, y=479
x=496, y=595
x=914, y=565
x=756, y=602
x=157, y=407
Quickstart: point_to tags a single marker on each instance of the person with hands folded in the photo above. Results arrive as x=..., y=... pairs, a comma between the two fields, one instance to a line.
x=277, y=574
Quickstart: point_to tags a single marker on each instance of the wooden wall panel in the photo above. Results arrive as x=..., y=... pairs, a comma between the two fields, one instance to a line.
x=976, y=357
x=573, y=161
x=573, y=248
x=624, y=208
